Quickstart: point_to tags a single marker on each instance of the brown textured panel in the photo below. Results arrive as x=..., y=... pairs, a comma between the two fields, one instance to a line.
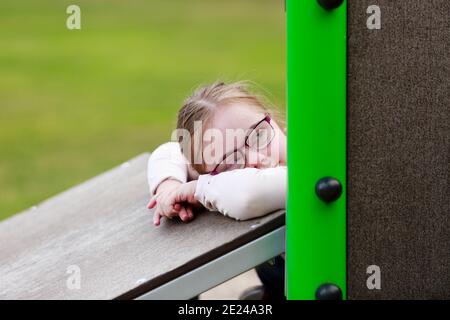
x=103, y=227
x=398, y=149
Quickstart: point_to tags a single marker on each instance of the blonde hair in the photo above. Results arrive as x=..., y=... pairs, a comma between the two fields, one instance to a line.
x=205, y=100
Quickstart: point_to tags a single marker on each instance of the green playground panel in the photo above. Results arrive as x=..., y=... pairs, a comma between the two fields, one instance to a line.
x=316, y=97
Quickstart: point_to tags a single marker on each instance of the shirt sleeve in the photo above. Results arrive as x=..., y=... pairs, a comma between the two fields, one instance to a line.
x=245, y=193
x=166, y=162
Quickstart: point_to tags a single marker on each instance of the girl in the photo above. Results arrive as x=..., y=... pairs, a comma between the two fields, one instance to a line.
x=230, y=157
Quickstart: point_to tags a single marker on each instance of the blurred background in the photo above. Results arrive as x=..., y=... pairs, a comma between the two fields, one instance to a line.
x=74, y=103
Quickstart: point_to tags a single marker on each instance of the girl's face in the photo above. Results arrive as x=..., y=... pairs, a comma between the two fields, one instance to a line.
x=233, y=125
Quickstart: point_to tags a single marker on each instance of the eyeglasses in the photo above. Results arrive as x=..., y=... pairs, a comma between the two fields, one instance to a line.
x=259, y=137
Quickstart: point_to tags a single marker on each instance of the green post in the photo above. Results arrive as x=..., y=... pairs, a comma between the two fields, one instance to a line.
x=316, y=75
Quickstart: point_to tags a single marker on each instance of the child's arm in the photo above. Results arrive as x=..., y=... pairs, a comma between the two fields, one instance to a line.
x=167, y=170
x=243, y=194
x=166, y=162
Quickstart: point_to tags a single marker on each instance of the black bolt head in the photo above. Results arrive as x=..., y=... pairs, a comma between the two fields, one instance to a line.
x=328, y=189
x=328, y=291
x=330, y=4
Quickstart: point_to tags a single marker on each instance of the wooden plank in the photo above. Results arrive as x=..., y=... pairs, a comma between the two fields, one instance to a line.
x=398, y=156
x=104, y=228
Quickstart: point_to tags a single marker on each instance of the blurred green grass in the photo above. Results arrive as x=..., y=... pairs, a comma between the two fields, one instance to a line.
x=74, y=103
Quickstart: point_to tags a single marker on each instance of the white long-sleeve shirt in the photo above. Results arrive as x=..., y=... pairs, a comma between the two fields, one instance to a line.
x=240, y=194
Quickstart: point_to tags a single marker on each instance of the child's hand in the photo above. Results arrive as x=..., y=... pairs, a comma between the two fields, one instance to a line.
x=185, y=194
x=165, y=206
x=183, y=199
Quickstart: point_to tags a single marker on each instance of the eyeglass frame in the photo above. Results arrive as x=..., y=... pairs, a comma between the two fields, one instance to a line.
x=267, y=119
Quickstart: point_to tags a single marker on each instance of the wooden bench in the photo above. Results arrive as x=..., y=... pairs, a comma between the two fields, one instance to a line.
x=102, y=232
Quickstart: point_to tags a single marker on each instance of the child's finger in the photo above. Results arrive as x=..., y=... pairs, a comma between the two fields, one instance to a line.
x=183, y=214
x=156, y=219
x=190, y=212
x=180, y=196
x=177, y=207
x=152, y=203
